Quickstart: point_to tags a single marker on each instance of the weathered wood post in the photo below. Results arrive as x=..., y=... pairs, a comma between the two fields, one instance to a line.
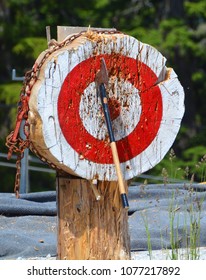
x=91, y=229
x=67, y=130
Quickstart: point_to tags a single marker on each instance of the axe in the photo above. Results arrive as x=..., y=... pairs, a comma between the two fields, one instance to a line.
x=101, y=80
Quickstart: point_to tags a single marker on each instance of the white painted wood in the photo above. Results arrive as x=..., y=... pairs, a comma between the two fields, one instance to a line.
x=47, y=135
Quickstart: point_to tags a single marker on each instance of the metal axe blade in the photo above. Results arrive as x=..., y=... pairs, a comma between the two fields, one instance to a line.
x=102, y=75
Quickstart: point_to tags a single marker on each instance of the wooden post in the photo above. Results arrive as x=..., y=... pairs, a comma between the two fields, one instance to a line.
x=89, y=229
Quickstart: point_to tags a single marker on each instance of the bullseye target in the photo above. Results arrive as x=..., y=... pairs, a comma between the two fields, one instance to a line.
x=146, y=103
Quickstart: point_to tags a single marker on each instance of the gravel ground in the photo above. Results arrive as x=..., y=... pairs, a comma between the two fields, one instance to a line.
x=183, y=254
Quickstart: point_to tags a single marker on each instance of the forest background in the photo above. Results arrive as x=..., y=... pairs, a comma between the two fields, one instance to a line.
x=177, y=28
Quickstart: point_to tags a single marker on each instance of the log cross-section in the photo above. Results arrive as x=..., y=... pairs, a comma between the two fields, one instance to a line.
x=145, y=99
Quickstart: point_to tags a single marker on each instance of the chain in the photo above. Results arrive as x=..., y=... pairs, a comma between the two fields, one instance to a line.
x=14, y=141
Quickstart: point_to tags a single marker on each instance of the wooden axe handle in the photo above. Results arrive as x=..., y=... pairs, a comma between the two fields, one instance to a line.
x=105, y=107
x=112, y=139
x=119, y=175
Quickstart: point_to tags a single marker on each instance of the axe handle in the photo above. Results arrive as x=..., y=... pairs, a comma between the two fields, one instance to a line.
x=119, y=175
x=105, y=106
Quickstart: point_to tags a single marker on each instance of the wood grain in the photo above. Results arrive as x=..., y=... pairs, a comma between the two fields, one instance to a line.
x=89, y=229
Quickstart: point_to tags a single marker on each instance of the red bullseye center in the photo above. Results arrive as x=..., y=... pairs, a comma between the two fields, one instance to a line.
x=130, y=70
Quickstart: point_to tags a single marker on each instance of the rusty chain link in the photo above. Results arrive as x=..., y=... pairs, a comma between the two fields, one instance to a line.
x=14, y=141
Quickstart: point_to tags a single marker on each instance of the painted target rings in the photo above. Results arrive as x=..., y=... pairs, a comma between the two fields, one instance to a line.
x=146, y=103
x=129, y=146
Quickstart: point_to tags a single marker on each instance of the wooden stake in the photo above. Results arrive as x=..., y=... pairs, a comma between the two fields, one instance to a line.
x=48, y=34
x=93, y=185
x=89, y=229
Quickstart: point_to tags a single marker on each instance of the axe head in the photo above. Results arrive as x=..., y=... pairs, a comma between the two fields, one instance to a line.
x=102, y=74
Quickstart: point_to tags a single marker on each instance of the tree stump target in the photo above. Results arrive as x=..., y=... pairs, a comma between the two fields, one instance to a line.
x=146, y=102
x=67, y=129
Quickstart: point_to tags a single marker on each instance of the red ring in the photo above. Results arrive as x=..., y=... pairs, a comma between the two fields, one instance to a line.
x=129, y=69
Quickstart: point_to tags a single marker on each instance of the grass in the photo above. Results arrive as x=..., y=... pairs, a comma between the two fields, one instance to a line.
x=149, y=244
x=194, y=231
x=189, y=236
x=174, y=235
x=184, y=244
x=184, y=238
